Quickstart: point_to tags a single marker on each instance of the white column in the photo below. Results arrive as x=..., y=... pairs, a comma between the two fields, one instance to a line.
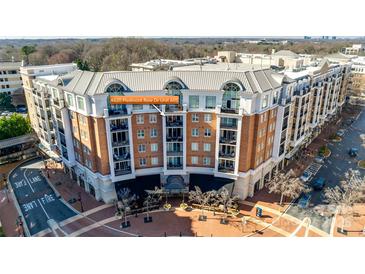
x=238, y=134
x=218, y=132
x=130, y=137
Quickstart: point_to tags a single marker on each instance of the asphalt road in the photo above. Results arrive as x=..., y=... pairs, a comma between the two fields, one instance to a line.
x=36, y=198
x=333, y=170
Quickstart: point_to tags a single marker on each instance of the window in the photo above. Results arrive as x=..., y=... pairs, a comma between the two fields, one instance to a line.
x=153, y=118
x=153, y=133
x=115, y=88
x=207, y=147
x=82, y=119
x=206, y=161
x=88, y=163
x=265, y=101
x=140, y=134
x=86, y=150
x=207, y=132
x=70, y=100
x=195, y=118
x=195, y=132
x=140, y=119
x=193, y=101
x=231, y=98
x=275, y=97
x=194, y=146
x=154, y=147
x=210, y=102
x=154, y=161
x=80, y=103
x=84, y=135
x=194, y=160
x=137, y=107
x=141, y=148
x=142, y=161
x=208, y=118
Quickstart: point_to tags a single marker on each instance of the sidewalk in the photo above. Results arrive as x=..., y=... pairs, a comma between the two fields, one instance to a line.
x=69, y=189
x=8, y=215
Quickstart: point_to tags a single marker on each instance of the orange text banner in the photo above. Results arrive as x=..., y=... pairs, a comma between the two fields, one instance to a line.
x=144, y=100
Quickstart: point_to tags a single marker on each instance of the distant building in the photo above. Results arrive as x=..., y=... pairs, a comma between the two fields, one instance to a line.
x=10, y=79
x=356, y=49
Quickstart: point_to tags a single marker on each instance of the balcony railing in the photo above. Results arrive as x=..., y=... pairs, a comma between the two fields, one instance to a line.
x=228, y=126
x=122, y=157
x=229, y=110
x=119, y=172
x=231, y=141
x=227, y=154
x=174, y=138
x=115, y=112
x=226, y=169
x=174, y=153
x=118, y=127
x=174, y=166
x=174, y=123
x=120, y=143
x=172, y=108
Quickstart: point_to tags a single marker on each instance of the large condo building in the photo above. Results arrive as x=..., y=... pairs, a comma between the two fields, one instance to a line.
x=40, y=109
x=235, y=124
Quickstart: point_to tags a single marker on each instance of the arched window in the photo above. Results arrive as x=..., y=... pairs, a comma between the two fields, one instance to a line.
x=231, y=97
x=115, y=88
x=174, y=88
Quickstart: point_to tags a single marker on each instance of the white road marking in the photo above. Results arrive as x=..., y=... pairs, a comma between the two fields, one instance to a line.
x=26, y=179
x=45, y=212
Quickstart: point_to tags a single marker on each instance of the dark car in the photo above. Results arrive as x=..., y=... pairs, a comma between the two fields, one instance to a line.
x=304, y=200
x=318, y=184
x=353, y=152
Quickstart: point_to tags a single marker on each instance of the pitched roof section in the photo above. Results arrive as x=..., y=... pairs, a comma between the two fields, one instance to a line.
x=92, y=83
x=287, y=53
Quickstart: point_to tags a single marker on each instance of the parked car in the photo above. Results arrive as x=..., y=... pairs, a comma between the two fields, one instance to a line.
x=319, y=159
x=306, y=176
x=304, y=200
x=21, y=109
x=318, y=184
x=340, y=132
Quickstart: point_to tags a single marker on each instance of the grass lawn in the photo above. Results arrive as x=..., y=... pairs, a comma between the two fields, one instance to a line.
x=361, y=164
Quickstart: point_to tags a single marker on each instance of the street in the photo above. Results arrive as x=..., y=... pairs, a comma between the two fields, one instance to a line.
x=37, y=200
x=333, y=170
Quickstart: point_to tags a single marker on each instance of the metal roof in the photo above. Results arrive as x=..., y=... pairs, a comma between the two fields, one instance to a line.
x=93, y=83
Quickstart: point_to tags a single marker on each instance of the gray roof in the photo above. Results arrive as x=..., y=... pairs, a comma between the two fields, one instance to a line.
x=93, y=83
x=287, y=53
x=17, y=140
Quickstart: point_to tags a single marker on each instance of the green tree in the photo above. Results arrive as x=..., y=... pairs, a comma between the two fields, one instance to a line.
x=6, y=102
x=82, y=65
x=26, y=51
x=13, y=126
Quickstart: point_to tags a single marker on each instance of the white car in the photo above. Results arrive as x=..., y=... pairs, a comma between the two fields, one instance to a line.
x=306, y=176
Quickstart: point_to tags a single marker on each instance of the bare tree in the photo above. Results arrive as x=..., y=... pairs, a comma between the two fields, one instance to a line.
x=153, y=197
x=286, y=185
x=344, y=196
x=126, y=199
x=199, y=197
x=225, y=201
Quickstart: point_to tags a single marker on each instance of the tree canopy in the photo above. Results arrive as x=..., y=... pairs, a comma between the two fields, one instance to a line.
x=6, y=102
x=13, y=126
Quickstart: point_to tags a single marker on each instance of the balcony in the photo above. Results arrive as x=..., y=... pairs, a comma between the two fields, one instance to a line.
x=175, y=153
x=61, y=129
x=228, y=126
